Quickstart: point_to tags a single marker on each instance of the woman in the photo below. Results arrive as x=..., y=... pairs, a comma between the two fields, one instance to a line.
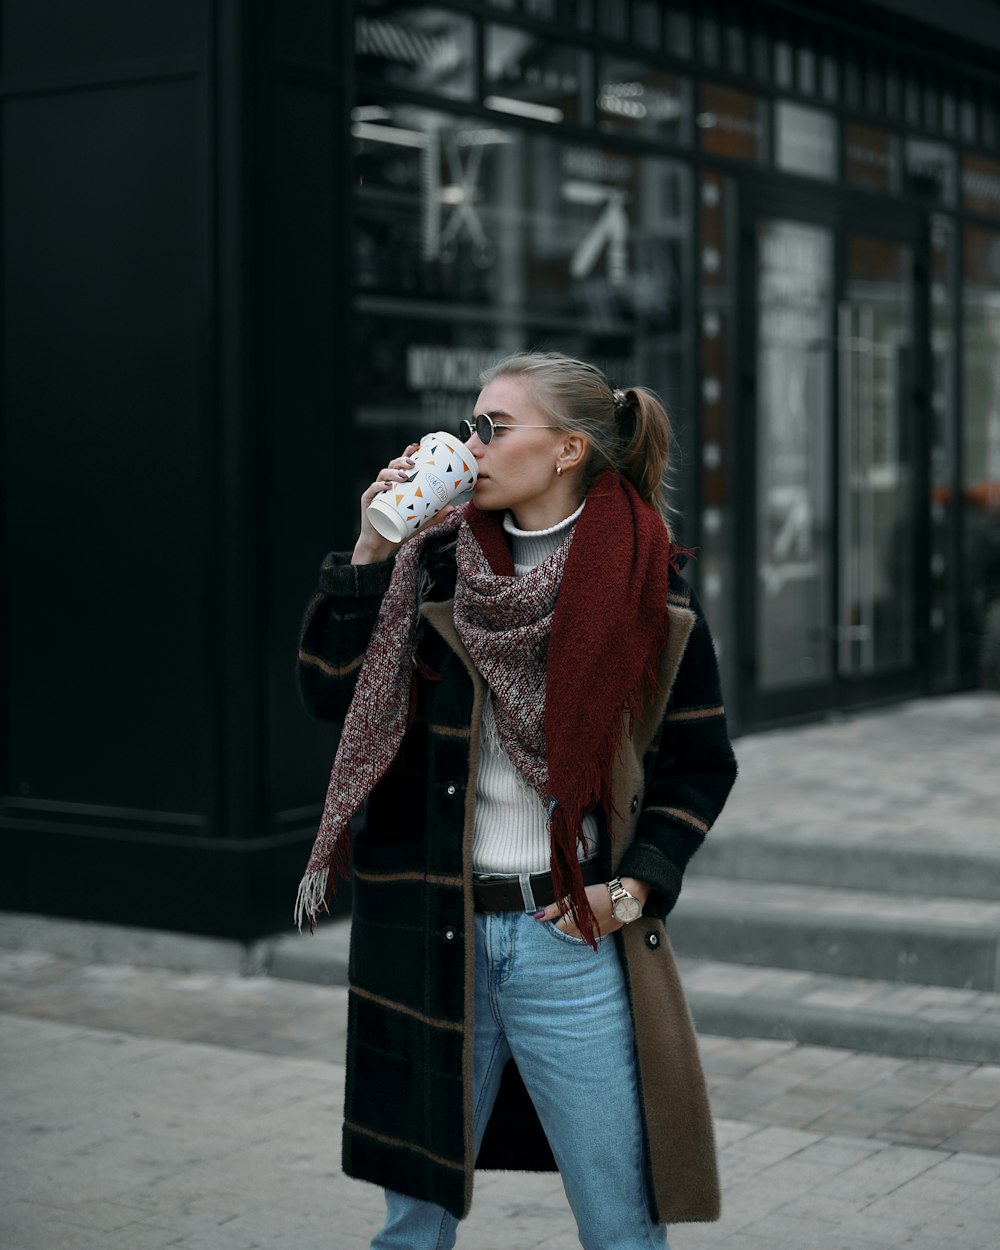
x=532, y=712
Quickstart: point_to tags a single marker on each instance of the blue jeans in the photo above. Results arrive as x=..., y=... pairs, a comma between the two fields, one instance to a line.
x=560, y=1009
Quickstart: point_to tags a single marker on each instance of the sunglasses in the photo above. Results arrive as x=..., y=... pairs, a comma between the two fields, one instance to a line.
x=484, y=425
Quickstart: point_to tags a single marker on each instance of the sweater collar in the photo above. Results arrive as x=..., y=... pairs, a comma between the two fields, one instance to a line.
x=530, y=547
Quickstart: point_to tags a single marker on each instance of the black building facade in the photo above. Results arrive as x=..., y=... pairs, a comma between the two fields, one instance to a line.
x=250, y=250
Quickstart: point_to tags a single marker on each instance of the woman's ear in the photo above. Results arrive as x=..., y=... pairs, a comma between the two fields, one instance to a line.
x=572, y=451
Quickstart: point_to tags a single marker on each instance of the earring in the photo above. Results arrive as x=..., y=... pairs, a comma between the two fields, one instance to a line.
x=558, y=470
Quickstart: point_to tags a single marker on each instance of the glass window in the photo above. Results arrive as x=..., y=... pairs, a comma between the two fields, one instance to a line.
x=805, y=140
x=678, y=29
x=949, y=114
x=831, y=76
x=874, y=80
x=911, y=100
x=967, y=123
x=981, y=185
x=613, y=18
x=871, y=157
x=474, y=239
x=708, y=38
x=988, y=117
x=636, y=98
x=794, y=421
x=783, y=63
x=646, y=29
x=762, y=55
x=932, y=104
x=525, y=75
x=981, y=453
x=943, y=570
x=585, y=14
x=730, y=122
x=736, y=49
x=852, y=81
x=931, y=172
x=424, y=49
x=543, y=10
x=806, y=71
x=893, y=89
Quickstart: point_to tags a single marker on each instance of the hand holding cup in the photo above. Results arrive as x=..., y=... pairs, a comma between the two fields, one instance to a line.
x=413, y=491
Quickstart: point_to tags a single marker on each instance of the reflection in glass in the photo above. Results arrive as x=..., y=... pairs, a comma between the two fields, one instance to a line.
x=871, y=157
x=730, y=122
x=943, y=567
x=646, y=15
x=423, y=48
x=981, y=185
x=526, y=75
x=635, y=98
x=805, y=140
x=679, y=38
x=981, y=453
x=794, y=373
x=931, y=172
x=876, y=611
x=474, y=239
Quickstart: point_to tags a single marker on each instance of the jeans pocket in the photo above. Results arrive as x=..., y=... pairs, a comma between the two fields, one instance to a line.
x=562, y=936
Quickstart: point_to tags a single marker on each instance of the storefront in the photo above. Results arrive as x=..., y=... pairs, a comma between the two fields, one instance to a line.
x=788, y=226
x=250, y=251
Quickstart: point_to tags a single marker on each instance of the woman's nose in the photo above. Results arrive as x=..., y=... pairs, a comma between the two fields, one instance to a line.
x=475, y=445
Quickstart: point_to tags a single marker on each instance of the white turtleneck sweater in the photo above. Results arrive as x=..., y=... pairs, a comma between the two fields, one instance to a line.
x=511, y=832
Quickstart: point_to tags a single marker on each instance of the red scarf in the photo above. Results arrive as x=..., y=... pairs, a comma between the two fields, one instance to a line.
x=604, y=641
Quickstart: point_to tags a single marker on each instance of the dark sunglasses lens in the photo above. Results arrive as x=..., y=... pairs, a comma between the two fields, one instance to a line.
x=480, y=425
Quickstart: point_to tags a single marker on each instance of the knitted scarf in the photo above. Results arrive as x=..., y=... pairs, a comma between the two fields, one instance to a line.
x=579, y=636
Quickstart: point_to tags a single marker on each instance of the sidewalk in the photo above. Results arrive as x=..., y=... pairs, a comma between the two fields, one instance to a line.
x=156, y=1095
x=146, y=1109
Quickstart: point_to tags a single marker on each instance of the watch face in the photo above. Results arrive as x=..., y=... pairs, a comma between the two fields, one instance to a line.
x=627, y=909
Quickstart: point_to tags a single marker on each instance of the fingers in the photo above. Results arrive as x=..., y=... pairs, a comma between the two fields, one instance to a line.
x=600, y=905
x=397, y=470
x=546, y=913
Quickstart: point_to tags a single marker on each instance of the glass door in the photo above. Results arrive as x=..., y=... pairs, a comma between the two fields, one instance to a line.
x=794, y=406
x=876, y=603
x=832, y=439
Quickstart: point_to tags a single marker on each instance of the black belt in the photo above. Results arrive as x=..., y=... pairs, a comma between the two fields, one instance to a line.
x=504, y=894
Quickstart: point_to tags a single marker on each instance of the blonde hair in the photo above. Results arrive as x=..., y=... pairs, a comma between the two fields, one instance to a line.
x=626, y=429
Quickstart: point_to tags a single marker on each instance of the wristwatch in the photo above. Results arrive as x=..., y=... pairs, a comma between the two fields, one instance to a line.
x=624, y=906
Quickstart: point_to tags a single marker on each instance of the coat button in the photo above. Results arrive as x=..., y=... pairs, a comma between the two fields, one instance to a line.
x=452, y=789
x=652, y=940
x=634, y=805
x=450, y=934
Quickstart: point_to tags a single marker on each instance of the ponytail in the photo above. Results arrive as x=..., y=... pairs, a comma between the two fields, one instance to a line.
x=646, y=437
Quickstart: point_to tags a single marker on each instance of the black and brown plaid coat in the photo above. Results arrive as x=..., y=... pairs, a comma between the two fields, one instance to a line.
x=408, y=1110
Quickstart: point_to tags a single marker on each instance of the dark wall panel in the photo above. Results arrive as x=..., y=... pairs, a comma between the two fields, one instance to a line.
x=106, y=531
x=305, y=32
x=308, y=424
x=46, y=35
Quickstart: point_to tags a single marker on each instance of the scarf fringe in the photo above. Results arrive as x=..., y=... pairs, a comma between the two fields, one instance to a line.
x=566, y=829
x=319, y=885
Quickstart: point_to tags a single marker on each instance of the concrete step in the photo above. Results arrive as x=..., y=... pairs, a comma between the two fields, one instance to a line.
x=857, y=933
x=733, y=1000
x=892, y=866
x=851, y=1012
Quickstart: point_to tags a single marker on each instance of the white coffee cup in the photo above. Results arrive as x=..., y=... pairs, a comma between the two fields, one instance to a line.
x=443, y=469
